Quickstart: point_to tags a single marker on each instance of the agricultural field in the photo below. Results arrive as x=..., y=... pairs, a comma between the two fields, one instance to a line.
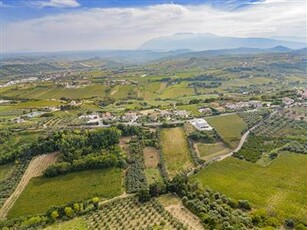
x=78, y=223
x=229, y=127
x=151, y=160
x=128, y=213
x=34, y=169
x=280, y=189
x=174, y=205
x=175, y=150
x=209, y=151
x=42, y=193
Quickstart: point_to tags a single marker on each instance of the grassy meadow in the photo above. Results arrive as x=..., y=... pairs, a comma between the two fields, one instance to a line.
x=78, y=223
x=151, y=160
x=208, y=151
x=42, y=193
x=229, y=127
x=280, y=188
x=175, y=150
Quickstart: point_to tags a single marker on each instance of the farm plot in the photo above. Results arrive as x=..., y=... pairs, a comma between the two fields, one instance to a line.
x=128, y=213
x=209, y=151
x=35, y=169
x=75, y=224
x=43, y=193
x=229, y=127
x=279, y=188
x=175, y=150
x=174, y=205
x=151, y=160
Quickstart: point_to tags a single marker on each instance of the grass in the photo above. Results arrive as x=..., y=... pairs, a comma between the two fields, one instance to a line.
x=42, y=193
x=207, y=151
x=6, y=171
x=151, y=160
x=229, y=127
x=280, y=188
x=152, y=175
x=75, y=224
x=175, y=150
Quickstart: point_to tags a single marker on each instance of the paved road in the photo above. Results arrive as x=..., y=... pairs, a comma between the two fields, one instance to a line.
x=242, y=140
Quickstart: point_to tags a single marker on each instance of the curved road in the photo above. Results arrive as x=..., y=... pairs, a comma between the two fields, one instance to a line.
x=242, y=140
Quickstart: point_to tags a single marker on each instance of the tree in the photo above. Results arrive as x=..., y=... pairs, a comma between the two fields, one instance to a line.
x=95, y=201
x=143, y=195
x=54, y=215
x=243, y=204
x=69, y=211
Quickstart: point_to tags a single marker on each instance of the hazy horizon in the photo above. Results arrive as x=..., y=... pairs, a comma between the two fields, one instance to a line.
x=79, y=25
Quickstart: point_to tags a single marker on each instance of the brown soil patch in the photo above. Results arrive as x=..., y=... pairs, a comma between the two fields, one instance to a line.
x=151, y=157
x=124, y=143
x=36, y=168
x=185, y=216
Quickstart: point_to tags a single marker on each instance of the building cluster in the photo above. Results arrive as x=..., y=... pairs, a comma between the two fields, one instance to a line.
x=120, y=82
x=146, y=116
x=14, y=82
x=243, y=105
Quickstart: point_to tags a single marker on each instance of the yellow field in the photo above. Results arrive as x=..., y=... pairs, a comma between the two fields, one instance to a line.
x=175, y=150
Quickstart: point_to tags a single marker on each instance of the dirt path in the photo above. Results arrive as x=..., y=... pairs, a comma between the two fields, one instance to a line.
x=35, y=169
x=185, y=216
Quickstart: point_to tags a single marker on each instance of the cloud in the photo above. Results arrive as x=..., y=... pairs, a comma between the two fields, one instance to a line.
x=128, y=28
x=56, y=3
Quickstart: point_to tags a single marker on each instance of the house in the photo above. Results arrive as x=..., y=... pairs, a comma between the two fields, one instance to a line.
x=130, y=116
x=205, y=110
x=201, y=124
x=107, y=116
x=89, y=117
x=181, y=113
x=255, y=104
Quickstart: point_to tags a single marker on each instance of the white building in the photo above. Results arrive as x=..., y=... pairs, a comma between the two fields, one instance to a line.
x=201, y=124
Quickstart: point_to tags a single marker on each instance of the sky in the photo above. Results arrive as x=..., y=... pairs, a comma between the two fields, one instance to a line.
x=66, y=25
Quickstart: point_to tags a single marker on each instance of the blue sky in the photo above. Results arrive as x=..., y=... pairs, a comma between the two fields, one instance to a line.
x=50, y=25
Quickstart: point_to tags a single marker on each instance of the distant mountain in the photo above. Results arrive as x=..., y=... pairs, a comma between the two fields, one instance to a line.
x=243, y=50
x=207, y=41
x=300, y=51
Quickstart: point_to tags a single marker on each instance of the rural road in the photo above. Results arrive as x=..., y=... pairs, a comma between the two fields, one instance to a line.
x=35, y=168
x=242, y=140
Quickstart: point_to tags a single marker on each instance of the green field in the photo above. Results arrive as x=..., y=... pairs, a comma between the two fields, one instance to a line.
x=153, y=175
x=229, y=127
x=42, y=193
x=207, y=151
x=175, y=150
x=75, y=224
x=280, y=188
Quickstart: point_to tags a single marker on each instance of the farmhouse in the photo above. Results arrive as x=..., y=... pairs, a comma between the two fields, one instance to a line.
x=201, y=124
x=130, y=116
x=205, y=110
